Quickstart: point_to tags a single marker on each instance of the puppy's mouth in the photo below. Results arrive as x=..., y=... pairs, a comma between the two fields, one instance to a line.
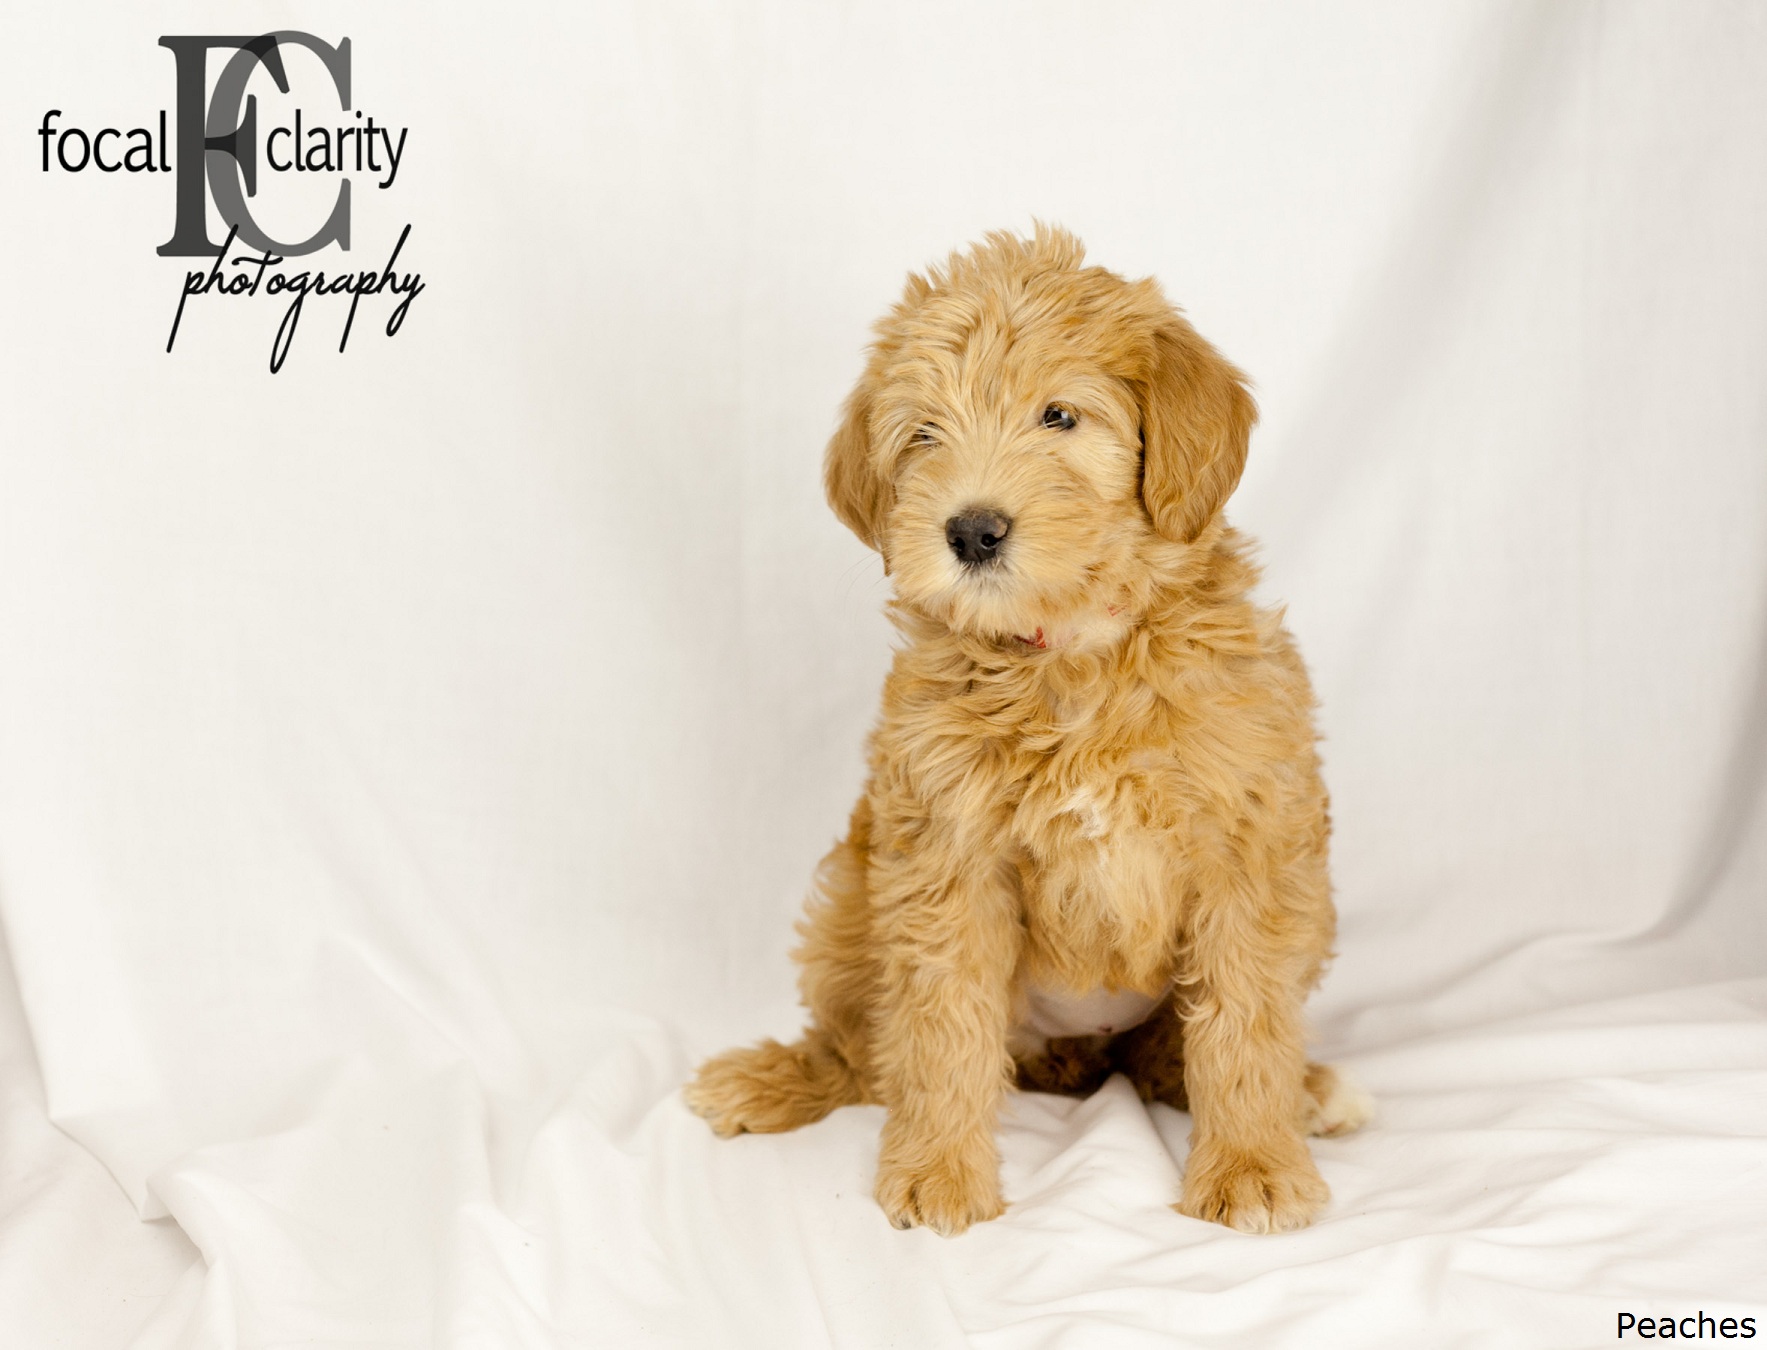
x=993, y=601
x=1030, y=582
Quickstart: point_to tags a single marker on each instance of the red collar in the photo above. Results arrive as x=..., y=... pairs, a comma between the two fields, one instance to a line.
x=1039, y=642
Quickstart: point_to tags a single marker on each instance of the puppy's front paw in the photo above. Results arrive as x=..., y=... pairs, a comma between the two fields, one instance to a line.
x=1254, y=1192
x=943, y=1191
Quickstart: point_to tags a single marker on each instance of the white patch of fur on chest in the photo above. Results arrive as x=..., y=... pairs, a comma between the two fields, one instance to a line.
x=1102, y=808
x=1084, y=804
x=1054, y=1012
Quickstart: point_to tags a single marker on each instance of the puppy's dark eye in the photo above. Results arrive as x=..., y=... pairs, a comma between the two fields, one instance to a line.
x=1058, y=418
x=925, y=435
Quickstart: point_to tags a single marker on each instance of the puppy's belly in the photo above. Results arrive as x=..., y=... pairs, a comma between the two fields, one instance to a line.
x=1050, y=1012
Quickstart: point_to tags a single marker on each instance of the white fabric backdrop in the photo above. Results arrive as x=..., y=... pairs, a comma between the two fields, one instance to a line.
x=411, y=762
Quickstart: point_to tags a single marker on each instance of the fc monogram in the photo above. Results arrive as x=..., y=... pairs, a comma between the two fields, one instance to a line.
x=220, y=148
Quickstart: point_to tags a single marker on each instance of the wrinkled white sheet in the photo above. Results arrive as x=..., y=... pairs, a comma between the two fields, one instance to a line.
x=411, y=763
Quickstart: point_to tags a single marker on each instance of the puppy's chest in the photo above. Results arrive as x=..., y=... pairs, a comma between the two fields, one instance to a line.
x=1101, y=835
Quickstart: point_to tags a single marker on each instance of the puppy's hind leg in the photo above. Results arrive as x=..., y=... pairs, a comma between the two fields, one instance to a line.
x=1152, y=1055
x=1335, y=1103
x=767, y=1088
x=1068, y=1066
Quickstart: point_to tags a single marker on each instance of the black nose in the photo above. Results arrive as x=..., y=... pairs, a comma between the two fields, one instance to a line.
x=975, y=536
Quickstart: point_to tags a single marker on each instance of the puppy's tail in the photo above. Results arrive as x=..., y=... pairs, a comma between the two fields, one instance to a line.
x=767, y=1088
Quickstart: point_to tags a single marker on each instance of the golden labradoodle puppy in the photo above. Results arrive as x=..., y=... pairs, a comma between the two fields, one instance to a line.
x=1094, y=835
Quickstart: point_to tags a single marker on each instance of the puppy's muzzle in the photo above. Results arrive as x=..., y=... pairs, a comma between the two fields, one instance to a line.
x=976, y=536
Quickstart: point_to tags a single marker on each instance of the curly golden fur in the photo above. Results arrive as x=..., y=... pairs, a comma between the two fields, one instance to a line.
x=1094, y=835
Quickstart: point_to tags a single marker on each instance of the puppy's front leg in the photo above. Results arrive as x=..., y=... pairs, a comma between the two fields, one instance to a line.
x=950, y=940
x=1245, y=1069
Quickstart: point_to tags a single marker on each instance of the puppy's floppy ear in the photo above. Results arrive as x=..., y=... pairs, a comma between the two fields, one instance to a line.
x=859, y=494
x=1196, y=424
x=858, y=488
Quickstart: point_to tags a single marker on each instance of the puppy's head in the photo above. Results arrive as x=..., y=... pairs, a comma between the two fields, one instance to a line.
x=1027, y=428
